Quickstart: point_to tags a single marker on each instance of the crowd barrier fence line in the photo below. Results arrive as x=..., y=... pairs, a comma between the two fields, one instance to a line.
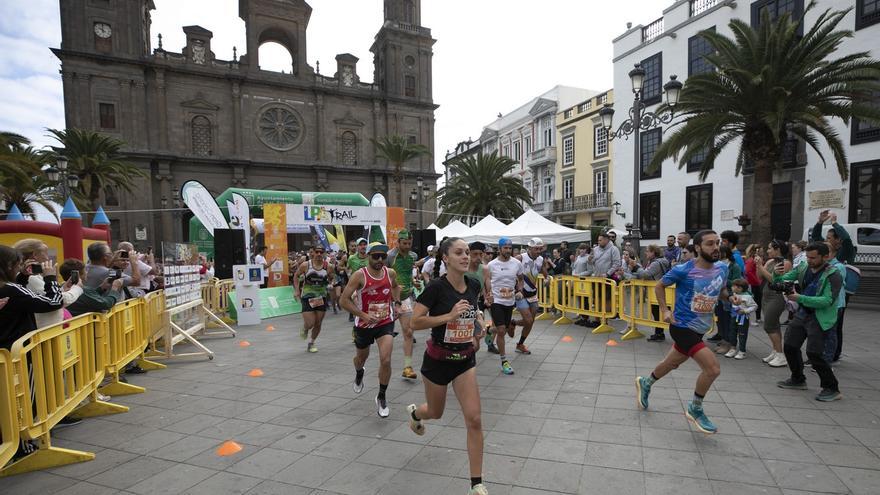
x=125, y=341
x=587, y=297
x=545, y=301
x=8, y=414
x=636, y=300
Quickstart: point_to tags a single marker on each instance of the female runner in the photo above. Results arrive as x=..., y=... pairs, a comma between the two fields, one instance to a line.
x=316, y=278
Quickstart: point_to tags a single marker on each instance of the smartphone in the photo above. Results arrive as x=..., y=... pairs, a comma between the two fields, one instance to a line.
x=123, y=254
x=117, y=274
x=74, y=277
x=779, y=259
x=36, y=269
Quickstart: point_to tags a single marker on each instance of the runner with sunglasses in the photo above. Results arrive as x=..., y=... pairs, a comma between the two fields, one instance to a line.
x=448, y=307
x=378, y=301
x=313, y=292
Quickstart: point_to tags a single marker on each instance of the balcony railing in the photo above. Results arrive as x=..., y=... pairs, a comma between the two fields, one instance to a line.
x=587, y=202
x=700, y=6
x=652, y=31
x=544, y=208
x=541, y=156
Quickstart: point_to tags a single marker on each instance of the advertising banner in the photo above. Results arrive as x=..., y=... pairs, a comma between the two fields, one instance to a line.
x=240, y=218
x=395, y=224
x=278, y=301
x=334, y=215
x=202, y=204
x=247, y=280
x=275, y=237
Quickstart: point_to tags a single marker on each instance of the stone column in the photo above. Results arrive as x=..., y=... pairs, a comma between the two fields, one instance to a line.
x=163, y=175
x=162, y=111
x=85, y=106
x=236, y=118
x=68, y=84
x=140, y=136
x=319, y=127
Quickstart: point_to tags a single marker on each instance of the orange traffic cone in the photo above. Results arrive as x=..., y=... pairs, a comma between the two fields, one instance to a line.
x=567, y=338
x=611, y=343
x=244, y=343
x=228, y=448
x=256, y=372
x=270, y=328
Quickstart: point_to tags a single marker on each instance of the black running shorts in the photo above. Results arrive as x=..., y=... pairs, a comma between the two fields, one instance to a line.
x=501, y=315
x=364, y=337
x=444, y=372
x=307, y=306
x=687, y=341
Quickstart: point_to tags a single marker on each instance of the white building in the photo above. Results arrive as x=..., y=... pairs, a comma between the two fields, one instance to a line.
x=674, y=199
x=528, y=135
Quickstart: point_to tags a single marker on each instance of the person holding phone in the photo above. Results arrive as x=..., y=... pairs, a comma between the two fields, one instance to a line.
x=17, y=316
x=36, y=256
x=449, y=308
x=92, y=300
x=105, y=264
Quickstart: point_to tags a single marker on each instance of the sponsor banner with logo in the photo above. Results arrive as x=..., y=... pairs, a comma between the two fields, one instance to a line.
x=335, y=215
x=396, y=223
x=240, y=218
x=275, y=238
x=202, y=204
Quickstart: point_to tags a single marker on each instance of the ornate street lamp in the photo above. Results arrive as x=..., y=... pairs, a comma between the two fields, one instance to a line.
x=640, y=120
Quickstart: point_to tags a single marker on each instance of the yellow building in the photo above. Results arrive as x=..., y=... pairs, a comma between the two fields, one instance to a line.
x=583, y=165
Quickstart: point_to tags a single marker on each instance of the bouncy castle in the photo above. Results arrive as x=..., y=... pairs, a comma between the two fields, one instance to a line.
x=69, y=239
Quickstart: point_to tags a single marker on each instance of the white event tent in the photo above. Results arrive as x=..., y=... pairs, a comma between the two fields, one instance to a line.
x=454, y=229
x=528, y=225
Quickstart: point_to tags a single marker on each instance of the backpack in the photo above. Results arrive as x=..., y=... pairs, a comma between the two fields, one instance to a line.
x=853, y=277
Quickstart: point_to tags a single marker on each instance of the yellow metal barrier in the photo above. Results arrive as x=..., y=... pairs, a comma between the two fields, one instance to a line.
x=636, y=300
x=125, y=341
x=155, y=322
x=545, y=298
x=224, y=287
x=8, y=414
x=56, y=369
x=586, y=296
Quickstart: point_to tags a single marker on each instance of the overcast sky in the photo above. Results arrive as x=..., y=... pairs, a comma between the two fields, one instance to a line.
x=491, y=56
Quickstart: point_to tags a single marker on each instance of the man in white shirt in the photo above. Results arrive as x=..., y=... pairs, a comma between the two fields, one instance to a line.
x=260, y=259
x=502, y=287
x=145, y=271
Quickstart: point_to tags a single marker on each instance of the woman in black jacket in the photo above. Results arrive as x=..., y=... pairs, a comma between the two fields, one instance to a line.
x=17, y=316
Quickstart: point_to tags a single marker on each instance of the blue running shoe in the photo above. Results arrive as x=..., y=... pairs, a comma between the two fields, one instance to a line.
x=644, y=390
x=698, y=417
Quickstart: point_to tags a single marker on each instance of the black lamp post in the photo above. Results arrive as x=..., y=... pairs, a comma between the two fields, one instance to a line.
x=64, y=180
x=640, y=120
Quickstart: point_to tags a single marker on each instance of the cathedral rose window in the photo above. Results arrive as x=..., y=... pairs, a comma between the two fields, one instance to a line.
x=279, y=128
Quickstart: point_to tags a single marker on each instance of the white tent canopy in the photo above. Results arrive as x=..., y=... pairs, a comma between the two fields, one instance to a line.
x=528, y=225
x=454, y=229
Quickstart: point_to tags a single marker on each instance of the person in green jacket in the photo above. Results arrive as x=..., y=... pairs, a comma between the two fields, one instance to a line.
x=819, y=285
x=92, y=300
x=836, y=235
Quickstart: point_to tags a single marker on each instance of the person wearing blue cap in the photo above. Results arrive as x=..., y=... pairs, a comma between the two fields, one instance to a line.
x=502, y=286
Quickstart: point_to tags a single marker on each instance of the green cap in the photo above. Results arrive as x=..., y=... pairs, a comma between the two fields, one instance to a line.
x=403, y=234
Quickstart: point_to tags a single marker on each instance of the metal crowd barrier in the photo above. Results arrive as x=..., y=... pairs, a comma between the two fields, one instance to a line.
x=545, y=298
x=8, y=414
x=589, y=297
x=636, y=302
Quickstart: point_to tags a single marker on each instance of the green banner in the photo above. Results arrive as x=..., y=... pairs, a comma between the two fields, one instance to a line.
x=277, y=301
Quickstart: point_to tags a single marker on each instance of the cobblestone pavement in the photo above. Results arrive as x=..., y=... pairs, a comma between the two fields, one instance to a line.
x=565, y=423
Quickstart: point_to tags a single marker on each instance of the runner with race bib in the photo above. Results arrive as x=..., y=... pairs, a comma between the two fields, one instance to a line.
x=402, y=259
x=502, y=286
x=312, y=292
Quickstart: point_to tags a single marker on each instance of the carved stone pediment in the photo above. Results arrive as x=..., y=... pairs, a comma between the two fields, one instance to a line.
x=541, y=106
x=200, y=103
x=348, y=121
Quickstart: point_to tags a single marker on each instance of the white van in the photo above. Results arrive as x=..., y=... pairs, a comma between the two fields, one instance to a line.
x=865, y=236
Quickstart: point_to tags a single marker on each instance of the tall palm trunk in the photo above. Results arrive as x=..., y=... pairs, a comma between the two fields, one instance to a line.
x=762, y=202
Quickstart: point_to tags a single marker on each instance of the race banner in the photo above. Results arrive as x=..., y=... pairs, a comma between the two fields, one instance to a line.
x=202, y=204
x=394, y=224
x=275, y=238
x=335, y=215
x=240, y=218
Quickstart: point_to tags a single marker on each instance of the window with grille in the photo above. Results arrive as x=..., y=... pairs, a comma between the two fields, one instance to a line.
x=698, y=208
x=649, y=215
x=568, y=150
x=601, y=141
x=696, y=161
x=349, y=148
x=202, y=139
x=603, y=98
x=698, y=48
x=650, y=141
x=866, y=131
x=652, y=88
x=583, y=107
x=567, y=114
x=867, y=13
x=600, y=181
x=410, y=85
x=777, y=8
x=864, y=198
x=568, y=188
x=107, y=115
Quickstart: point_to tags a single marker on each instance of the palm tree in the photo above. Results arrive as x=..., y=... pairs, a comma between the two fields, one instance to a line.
x=772, y=84
x=398, y=150
x=98, y=162
x=479, y=186
x=22, y=182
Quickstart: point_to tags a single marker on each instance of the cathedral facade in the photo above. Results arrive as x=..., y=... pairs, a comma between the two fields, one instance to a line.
x=228, y=123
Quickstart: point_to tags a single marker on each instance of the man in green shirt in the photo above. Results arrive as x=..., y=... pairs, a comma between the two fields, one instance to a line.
x=95, y=300
x=402, y=259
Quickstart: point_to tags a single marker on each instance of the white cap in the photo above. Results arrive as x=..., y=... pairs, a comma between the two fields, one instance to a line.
x=431, y=247
x=536, y=242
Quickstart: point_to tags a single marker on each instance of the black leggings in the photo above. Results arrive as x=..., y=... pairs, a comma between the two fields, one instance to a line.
x=758, y=292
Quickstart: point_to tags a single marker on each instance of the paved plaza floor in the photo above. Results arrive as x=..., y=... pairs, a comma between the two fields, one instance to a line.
x=566, y=422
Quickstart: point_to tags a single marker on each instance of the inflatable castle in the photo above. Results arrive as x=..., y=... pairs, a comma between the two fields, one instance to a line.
x=69, y=239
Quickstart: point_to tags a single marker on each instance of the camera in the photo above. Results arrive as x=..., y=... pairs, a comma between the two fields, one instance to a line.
x=786, y=287
x=36, y=269
x=117, y=274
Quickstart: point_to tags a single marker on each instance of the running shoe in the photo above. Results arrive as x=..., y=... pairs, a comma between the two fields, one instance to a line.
x=792, y=385
x=778, y=361
x=382, y=407
x=409, y=374
x=479, y=489
x=769, y=357
x=522, y=349
x=828, y=395
x=698, y=417
x=506, y=368
x=312, y=348
x=739, y=355
x=488, y=337
x=732, y=352
x=644, y=390
x=303, y=333
x=491, y=348
x=358, y=385
x=415, y=425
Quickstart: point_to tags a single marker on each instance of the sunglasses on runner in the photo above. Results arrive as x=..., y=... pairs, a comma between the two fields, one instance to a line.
x=379, y=256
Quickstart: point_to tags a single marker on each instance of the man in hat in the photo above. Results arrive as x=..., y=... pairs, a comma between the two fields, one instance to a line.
x=402, y=259
x=378, y=299
x=356, y=261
